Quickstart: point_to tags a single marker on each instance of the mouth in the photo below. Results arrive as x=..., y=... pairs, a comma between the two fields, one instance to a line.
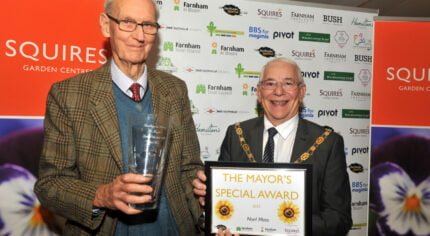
x=279, y=103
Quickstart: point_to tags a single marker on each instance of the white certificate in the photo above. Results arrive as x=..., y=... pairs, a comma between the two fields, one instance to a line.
x=258, y=198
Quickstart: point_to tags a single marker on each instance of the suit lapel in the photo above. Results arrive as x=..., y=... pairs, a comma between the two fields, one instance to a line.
x=160, y=96
x=104, y=112
x=255, y=140
x=300, y=143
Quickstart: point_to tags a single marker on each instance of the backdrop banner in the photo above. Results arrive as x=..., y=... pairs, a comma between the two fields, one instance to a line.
x=218, y=48
x=400, y=133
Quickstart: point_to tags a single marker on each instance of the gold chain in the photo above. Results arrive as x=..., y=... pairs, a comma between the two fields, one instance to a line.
x=306, y=155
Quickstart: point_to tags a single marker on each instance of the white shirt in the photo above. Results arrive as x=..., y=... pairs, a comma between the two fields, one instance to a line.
x=124, y=82
x=284, y=139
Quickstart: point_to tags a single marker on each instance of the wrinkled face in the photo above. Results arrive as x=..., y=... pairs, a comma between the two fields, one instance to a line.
x=280, y=103
x=129, y=48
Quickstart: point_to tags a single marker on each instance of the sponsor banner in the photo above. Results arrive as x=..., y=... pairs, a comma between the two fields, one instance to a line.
x=400, y=134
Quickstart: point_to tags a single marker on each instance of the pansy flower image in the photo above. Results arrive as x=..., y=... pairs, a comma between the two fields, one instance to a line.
x=400, y=187
x=20, y=211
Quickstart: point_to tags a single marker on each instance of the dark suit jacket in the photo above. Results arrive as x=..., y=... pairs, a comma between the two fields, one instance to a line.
x=331, y=194
x=82, y=150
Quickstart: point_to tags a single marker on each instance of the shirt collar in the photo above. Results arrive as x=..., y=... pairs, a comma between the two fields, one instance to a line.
x=123, y=81
x=285, y=128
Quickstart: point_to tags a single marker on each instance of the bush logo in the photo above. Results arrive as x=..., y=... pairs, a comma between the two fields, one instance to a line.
x=364, y=76
x=355, y=113
x=299, y=17
x=214, y=31
x=267, y=52
x=341, y=38
x=314, y=37
x=339, y=76
x=336, y=20
x=231, y=10
x=258, y=32
x=240, y=71
x=366, y=59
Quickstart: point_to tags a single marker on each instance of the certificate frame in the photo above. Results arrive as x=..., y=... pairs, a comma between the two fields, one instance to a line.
x=241, y=171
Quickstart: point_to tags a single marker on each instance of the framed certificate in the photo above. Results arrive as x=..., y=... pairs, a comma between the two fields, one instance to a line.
x=258, y=198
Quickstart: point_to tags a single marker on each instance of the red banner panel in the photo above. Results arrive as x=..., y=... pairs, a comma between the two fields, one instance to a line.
x=401, y=74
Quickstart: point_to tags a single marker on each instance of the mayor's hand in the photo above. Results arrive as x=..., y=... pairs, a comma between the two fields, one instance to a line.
x=199, y=186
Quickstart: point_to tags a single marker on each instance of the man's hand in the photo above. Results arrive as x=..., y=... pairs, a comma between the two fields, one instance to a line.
x=121, y=192
x=199, y=186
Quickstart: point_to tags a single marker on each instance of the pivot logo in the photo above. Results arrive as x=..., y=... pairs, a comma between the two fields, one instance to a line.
x=240, y=71
x=328, y=113
x=284, y=35
x=337, y=20
x=213, y=30
x=231, y=10
x=359, y=150
x=341, y=38
x=258, y=32
x=267, y=52
x=311, y=74
x=364, y=76
x=363, y=58
x=249, y=90
x=356, y=168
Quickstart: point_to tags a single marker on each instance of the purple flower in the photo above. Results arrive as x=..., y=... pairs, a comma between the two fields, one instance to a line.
x=20, y=211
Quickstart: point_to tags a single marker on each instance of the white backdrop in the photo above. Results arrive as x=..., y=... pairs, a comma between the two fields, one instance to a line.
x=219, y=47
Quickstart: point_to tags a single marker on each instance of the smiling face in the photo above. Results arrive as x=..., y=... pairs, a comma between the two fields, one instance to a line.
x=281, y=104
x=129, y=48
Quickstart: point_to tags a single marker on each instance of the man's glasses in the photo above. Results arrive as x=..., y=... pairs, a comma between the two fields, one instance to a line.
x=131, y=25
x=273, y=84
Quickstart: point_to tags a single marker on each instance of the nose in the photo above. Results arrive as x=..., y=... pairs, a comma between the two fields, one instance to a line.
x=139, y=34
x=279, y=90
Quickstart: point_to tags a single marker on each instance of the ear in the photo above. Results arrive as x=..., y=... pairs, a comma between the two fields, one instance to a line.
x=104, y=25
x=259, y=93
x=302, y=92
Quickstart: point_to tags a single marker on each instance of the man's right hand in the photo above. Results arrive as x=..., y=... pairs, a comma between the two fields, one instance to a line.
x=199, y=186
x=118, y=194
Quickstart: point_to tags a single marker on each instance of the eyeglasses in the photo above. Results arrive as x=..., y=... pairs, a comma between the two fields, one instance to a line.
x=131, y=25
x=272, y=84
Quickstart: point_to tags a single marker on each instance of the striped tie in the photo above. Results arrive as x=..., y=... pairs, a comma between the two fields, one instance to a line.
x=270, y=146
x=135, y=89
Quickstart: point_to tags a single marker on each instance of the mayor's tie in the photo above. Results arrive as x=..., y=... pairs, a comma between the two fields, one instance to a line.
x=270, y=146
x=135, y=89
